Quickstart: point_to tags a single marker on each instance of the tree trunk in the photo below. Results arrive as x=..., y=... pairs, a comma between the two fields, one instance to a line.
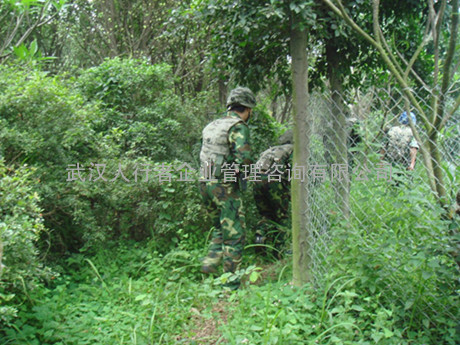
x=286, y=109
x=302, y=132
x=339, y=134
x=437, y=168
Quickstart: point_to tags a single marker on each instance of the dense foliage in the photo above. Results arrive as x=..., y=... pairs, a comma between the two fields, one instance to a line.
x=111, y=161
x=155, y=297
x=102, y=228
x=54, y=124
x=21, y=225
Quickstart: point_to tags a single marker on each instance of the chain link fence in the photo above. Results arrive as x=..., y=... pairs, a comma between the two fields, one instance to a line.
x=377, y=221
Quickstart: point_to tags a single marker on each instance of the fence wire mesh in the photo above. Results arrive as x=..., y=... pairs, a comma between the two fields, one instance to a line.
x=390, y=215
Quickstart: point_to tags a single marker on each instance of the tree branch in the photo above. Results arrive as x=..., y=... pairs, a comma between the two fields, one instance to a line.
x=391, y=66
x=426, y=38
x=380, y=39
x=451, y=49
x=36, y=24
x=414, y=73
x=436, y=20
x=390, y=54
x=375, y=21
x=446, y=78
x=13, y=34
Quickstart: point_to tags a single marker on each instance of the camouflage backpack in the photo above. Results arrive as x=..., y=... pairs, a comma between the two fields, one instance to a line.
x=274, y=155
x=215, y=145
x=398, y=149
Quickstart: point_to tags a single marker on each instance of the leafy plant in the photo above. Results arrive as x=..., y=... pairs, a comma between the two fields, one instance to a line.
x=21, y=225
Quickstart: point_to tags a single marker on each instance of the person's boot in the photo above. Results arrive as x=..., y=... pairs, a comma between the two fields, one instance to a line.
x=208, y=269
x=209, y=264
x=234, y=285
x=260, y=241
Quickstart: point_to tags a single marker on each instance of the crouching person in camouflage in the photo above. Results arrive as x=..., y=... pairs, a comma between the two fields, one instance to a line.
x=400, y=147
x=225, y=150
x=272, y=190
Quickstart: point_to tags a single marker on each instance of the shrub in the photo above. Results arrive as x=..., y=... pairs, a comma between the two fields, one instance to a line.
x=399, y=247
x=139, y=103
x=48, y=123
x=21, y=224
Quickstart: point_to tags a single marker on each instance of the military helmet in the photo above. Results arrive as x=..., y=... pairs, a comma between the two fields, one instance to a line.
x=404, y=120
x=242, y=96
x=286, y=138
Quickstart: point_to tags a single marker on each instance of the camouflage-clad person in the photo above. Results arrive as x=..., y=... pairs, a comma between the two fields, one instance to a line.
x=224, y=152
x=272, y=190
x=400, y=147
x=353, y=138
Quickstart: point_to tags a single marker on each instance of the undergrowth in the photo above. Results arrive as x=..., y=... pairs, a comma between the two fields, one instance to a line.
x=133, y=294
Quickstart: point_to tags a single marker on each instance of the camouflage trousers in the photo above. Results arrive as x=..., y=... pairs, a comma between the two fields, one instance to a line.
x=225, y=207
x=272, y=199
x=400, y=176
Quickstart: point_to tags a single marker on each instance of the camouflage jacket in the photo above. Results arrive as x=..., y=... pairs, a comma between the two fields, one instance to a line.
x=275, y=155
x=399, y=141
x=225, y=141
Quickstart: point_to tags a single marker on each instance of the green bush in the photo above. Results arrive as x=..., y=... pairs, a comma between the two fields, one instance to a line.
x=164, y=210
x=140, y=105
x=48, y=123
x=264, y=130
x=21, y=224
x=126, y=84
x=127, y=294
x=398, y=247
